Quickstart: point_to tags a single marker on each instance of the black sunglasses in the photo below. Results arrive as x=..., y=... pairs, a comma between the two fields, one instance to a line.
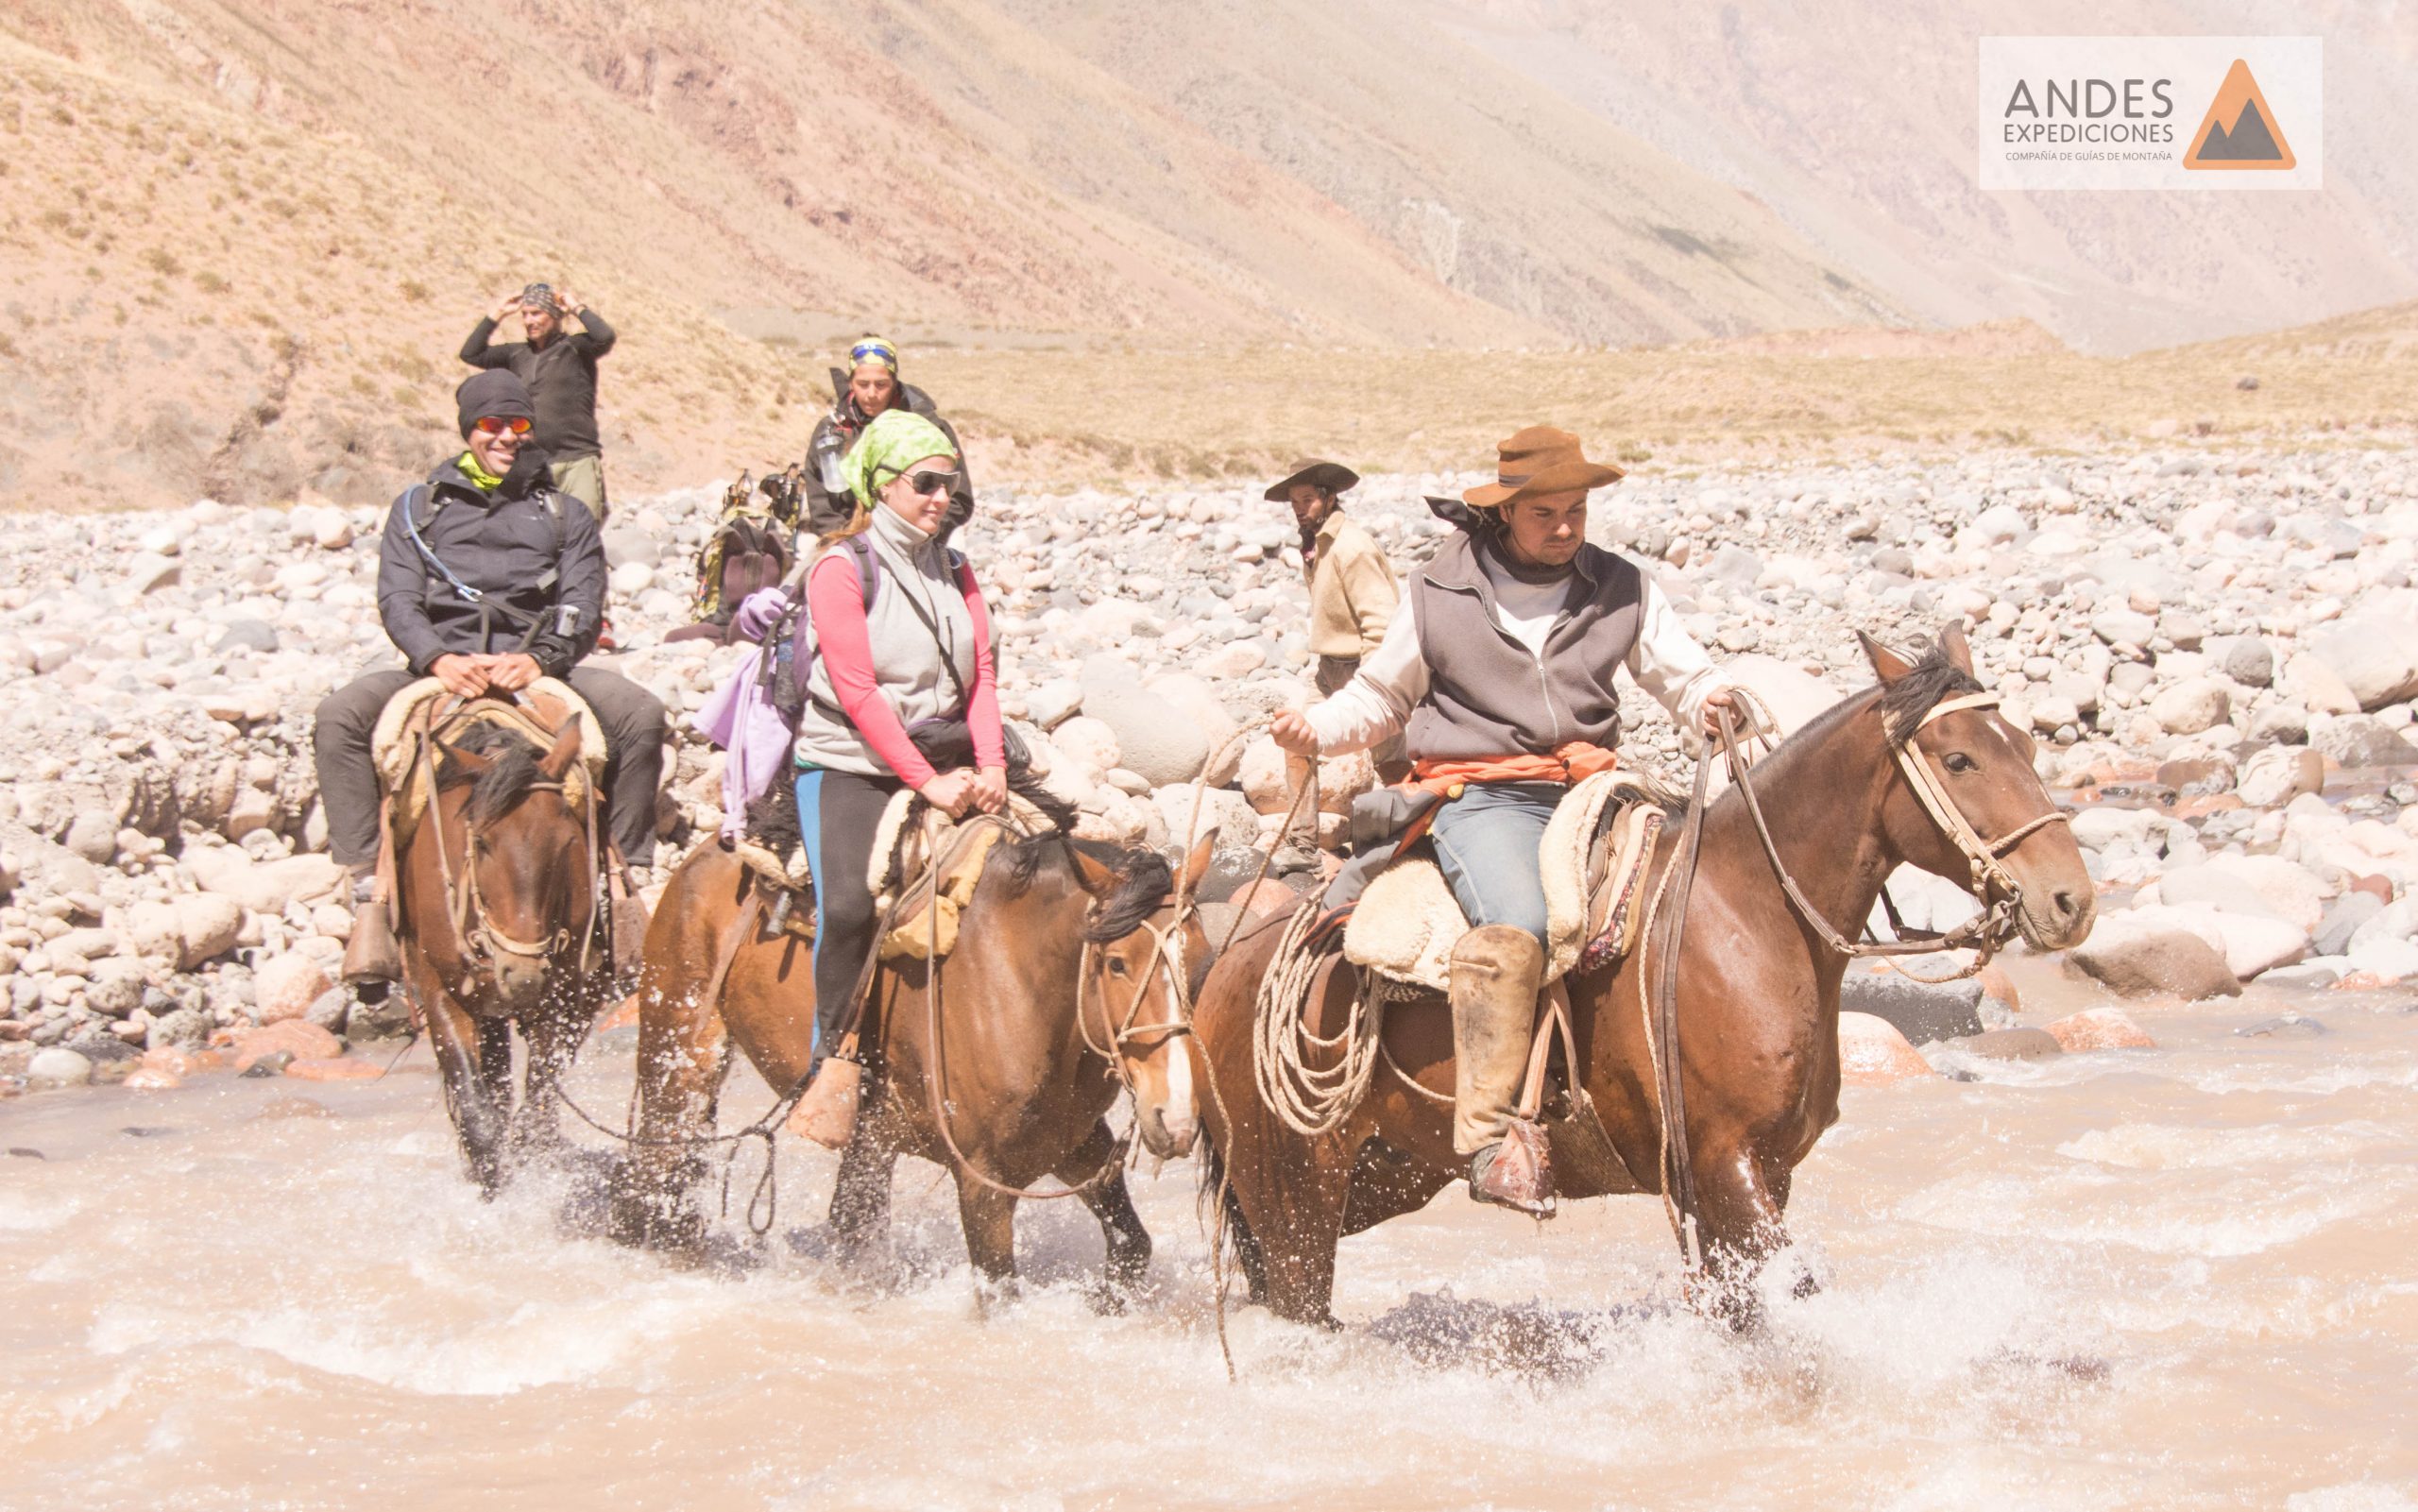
x=930, y=481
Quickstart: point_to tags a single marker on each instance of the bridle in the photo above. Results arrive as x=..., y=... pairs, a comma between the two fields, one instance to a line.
x=1984, y=933
x=1166, y=955
x=481, y=945
x=1993, y=885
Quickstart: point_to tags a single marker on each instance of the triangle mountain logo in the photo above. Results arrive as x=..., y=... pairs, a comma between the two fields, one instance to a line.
x=2240, y=130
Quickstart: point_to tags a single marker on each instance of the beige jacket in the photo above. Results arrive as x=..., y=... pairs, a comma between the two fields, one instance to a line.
x=1353, y=590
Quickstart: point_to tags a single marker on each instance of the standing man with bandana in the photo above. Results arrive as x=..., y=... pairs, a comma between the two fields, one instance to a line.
x=560, y=368
x=869, y=387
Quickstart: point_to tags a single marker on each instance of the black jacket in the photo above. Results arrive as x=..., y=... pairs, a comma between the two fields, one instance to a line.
x=827, y=510
x=525, y=550
x=561, y=376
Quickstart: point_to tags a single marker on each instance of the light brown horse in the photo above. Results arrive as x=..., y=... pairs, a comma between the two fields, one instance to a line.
x=1758, y=1001
x=496, y=903
x=1071, y=979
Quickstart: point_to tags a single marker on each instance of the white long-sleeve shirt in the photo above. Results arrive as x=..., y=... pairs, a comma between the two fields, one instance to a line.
x=1666, y=662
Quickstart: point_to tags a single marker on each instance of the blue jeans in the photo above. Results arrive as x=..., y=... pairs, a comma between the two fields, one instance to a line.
x=1487, y=843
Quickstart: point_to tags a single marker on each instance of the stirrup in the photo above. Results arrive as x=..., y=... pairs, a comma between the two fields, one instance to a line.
x=1516, y=1171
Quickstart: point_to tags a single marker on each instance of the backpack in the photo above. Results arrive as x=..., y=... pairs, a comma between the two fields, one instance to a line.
x=750, y=549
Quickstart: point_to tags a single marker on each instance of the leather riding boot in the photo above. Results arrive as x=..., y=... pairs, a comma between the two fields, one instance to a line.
x=371, y=955
x=1495, y=973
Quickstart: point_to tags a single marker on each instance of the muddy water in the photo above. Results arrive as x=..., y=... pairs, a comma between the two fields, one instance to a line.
x=2181, y=1277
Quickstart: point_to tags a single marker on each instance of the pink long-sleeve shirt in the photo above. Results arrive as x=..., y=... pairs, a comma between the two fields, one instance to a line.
x=835, y=602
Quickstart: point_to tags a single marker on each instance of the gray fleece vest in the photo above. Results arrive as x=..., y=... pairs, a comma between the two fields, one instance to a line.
x=1487, y=696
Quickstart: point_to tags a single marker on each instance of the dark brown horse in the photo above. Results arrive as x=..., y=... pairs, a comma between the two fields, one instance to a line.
x=1758, y=1000
x=1071, y=978
x=497, y=901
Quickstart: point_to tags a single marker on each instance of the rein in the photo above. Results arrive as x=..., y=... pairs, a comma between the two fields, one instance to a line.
x=1985, y=932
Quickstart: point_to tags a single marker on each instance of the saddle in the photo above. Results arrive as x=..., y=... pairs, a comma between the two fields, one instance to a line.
x=925, y=874
x=538, y=712
x=1593, y=858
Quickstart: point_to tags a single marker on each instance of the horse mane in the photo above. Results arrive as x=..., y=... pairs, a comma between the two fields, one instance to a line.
x=1934, y=678
x=1144, y=878
x=513, y=770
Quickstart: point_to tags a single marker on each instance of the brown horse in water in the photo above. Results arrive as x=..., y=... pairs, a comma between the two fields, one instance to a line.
x=495, y=892
x=1758, y=1001
x=1065, y=952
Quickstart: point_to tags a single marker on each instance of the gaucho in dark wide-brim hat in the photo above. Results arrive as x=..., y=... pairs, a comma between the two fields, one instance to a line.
x=1332, y=476
x=1540, y=459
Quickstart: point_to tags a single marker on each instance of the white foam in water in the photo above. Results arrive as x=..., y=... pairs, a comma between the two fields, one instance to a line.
x=2363, y=1496
x=2174, y=1146
x=25, y=1212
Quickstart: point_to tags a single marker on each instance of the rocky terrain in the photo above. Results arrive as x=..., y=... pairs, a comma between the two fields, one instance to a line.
x=2217, y=648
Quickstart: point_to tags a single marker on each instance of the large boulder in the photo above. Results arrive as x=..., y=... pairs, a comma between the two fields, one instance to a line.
x=2375, y=656
x=1154, y=738
x=265, y=886
x=2149, y=962
x=1193, y=698
x=285, y=987
x=2100, y=1029
x=1089, y=743
x=2357, y=740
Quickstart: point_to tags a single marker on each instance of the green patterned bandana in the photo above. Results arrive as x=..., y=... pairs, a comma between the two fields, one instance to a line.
x=893, y=442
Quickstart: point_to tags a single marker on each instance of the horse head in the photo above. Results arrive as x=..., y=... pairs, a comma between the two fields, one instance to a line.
x=1986, y=822
x=522, y=899
x=1145, y=952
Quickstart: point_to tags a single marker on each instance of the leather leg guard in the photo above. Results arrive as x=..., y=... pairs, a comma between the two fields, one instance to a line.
x=1495, y=972
x=371, y=955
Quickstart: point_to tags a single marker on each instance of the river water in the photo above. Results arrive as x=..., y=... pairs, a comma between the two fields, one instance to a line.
x=2180, y=1278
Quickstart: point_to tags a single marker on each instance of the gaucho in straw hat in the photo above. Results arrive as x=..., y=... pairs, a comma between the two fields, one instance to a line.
x=1501, y=676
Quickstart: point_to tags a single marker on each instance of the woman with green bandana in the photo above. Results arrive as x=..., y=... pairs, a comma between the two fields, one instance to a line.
x=900, y=693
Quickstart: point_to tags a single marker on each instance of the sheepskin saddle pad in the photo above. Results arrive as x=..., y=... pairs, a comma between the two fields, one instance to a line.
x=927, y=866
x=537, y=713
x=1594, y=857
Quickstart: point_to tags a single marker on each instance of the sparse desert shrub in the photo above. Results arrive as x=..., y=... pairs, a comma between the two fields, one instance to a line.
x=163, y=262
x=208, y=282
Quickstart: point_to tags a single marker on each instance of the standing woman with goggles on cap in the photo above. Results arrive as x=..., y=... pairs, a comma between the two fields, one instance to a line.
x=869, y=387
x=894, y=647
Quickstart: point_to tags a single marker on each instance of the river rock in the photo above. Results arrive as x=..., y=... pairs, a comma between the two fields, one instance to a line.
x=2343, y=920
x=180, y=1027
x=2357, y=740
x=55, y=1068
x=2278, y=774
x=265, y=886
x=292, y=1037
x=2191, y=705
x=2315, y=686
x=1194, y=699
x=2375, y=657
x=2020, y=1043
x=2151, y=962
x=324, y=1069
x=1225, y=813
x=1922, y=1012
x=1089, y=743
x=2100, y=1029
x=152, y=1079
x=285, y=987
x=1873, y=1053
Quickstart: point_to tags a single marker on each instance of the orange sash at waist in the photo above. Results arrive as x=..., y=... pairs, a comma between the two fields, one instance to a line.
x=1573, y=761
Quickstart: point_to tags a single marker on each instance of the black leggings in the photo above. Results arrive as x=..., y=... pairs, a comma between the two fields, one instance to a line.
x=837, y=814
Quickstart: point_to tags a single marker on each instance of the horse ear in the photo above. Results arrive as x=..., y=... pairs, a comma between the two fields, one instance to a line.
x=473, y=762
x=1960, y=656
x=565, y=751
x=1889, y=664
x=1195, y=865
x=1096, y=876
